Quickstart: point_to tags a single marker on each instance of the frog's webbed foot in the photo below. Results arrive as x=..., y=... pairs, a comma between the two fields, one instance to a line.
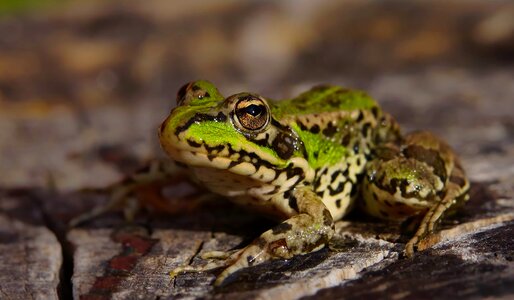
x=308, y=231
x=145, y=184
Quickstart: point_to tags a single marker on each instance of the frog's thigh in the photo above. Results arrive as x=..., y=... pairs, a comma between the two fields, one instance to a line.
x=308, y=231
x=453, y=195
x=386, y=197
x=424, y=179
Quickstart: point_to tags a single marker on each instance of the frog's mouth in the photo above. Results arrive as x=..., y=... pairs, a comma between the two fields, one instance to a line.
x=250, y=160
x=221, y=157
x=240, y=163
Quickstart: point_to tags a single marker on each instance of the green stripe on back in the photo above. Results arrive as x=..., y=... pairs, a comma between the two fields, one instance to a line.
x=323, y=99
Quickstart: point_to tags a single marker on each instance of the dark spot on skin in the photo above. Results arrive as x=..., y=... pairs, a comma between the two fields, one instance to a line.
x=429, y=156
x=232, y=164
x=193, y=144
x=196, y=88
x=262, y=142
x=317, y=182
x=281, y=228
x=374, y=111
x=260, y=242
x=207, y=94
x=327, y=218
x=320, y=193
x=388, y=203
x=354, y=190
x=346, y=140
x=283, y=144
x=389, y=187
x=294, y=171
x=386, y=152
x=314, y=129
x=279, y=126
x=337, y=190
x=458, y=180
x=308, y=247
x=334, y=102
x=329, y=130
x=338, y=203
x=215, y=148
x=400, y=183
x=345, y=173
x=293, y=203
x=358, y=161
x=182, y=92
x=334, y=176
x=365, y=129
x=198, y=118
x=360, y=117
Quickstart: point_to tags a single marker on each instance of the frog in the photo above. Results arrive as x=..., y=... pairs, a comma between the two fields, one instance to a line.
x=308, y=161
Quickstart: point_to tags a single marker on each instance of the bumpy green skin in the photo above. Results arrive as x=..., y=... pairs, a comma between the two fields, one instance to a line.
x=315, y=155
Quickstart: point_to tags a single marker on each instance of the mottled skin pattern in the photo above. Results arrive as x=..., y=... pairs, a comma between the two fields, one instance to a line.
x=306, y=160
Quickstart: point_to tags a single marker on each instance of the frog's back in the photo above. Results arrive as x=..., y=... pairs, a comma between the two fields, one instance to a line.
x=339, y=128
x=324, y=99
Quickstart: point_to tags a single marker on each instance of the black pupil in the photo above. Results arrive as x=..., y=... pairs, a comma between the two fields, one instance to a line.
x=254, y=110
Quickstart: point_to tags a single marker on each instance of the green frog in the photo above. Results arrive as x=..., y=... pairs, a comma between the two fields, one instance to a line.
x=307, y=161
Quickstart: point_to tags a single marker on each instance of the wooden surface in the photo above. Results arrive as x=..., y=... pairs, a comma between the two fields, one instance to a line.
x=77, y=109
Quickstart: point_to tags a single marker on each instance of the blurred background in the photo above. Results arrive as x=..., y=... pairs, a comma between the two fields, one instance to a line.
x=85, y=83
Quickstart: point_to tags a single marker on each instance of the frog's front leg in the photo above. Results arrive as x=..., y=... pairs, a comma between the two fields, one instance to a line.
x=308, y=231
x=420, y=178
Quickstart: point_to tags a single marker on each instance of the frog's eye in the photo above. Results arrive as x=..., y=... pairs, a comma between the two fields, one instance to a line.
x=252, y=113
x=189, y=92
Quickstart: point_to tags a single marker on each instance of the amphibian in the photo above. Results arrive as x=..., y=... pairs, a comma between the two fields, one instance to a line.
x=307, y=161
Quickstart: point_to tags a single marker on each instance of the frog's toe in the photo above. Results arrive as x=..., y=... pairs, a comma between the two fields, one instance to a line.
x=119, y=196
x=218, y=254
x=411, y=247
x=252, y=255
x=197, y=269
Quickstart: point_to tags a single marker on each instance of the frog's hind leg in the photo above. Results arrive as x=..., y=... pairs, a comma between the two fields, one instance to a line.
x=420, y=179
x=145, y=186
x=454, y=195
x=308, y=231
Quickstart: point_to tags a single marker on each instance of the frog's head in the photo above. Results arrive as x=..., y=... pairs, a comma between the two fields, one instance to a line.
x=237, y=133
